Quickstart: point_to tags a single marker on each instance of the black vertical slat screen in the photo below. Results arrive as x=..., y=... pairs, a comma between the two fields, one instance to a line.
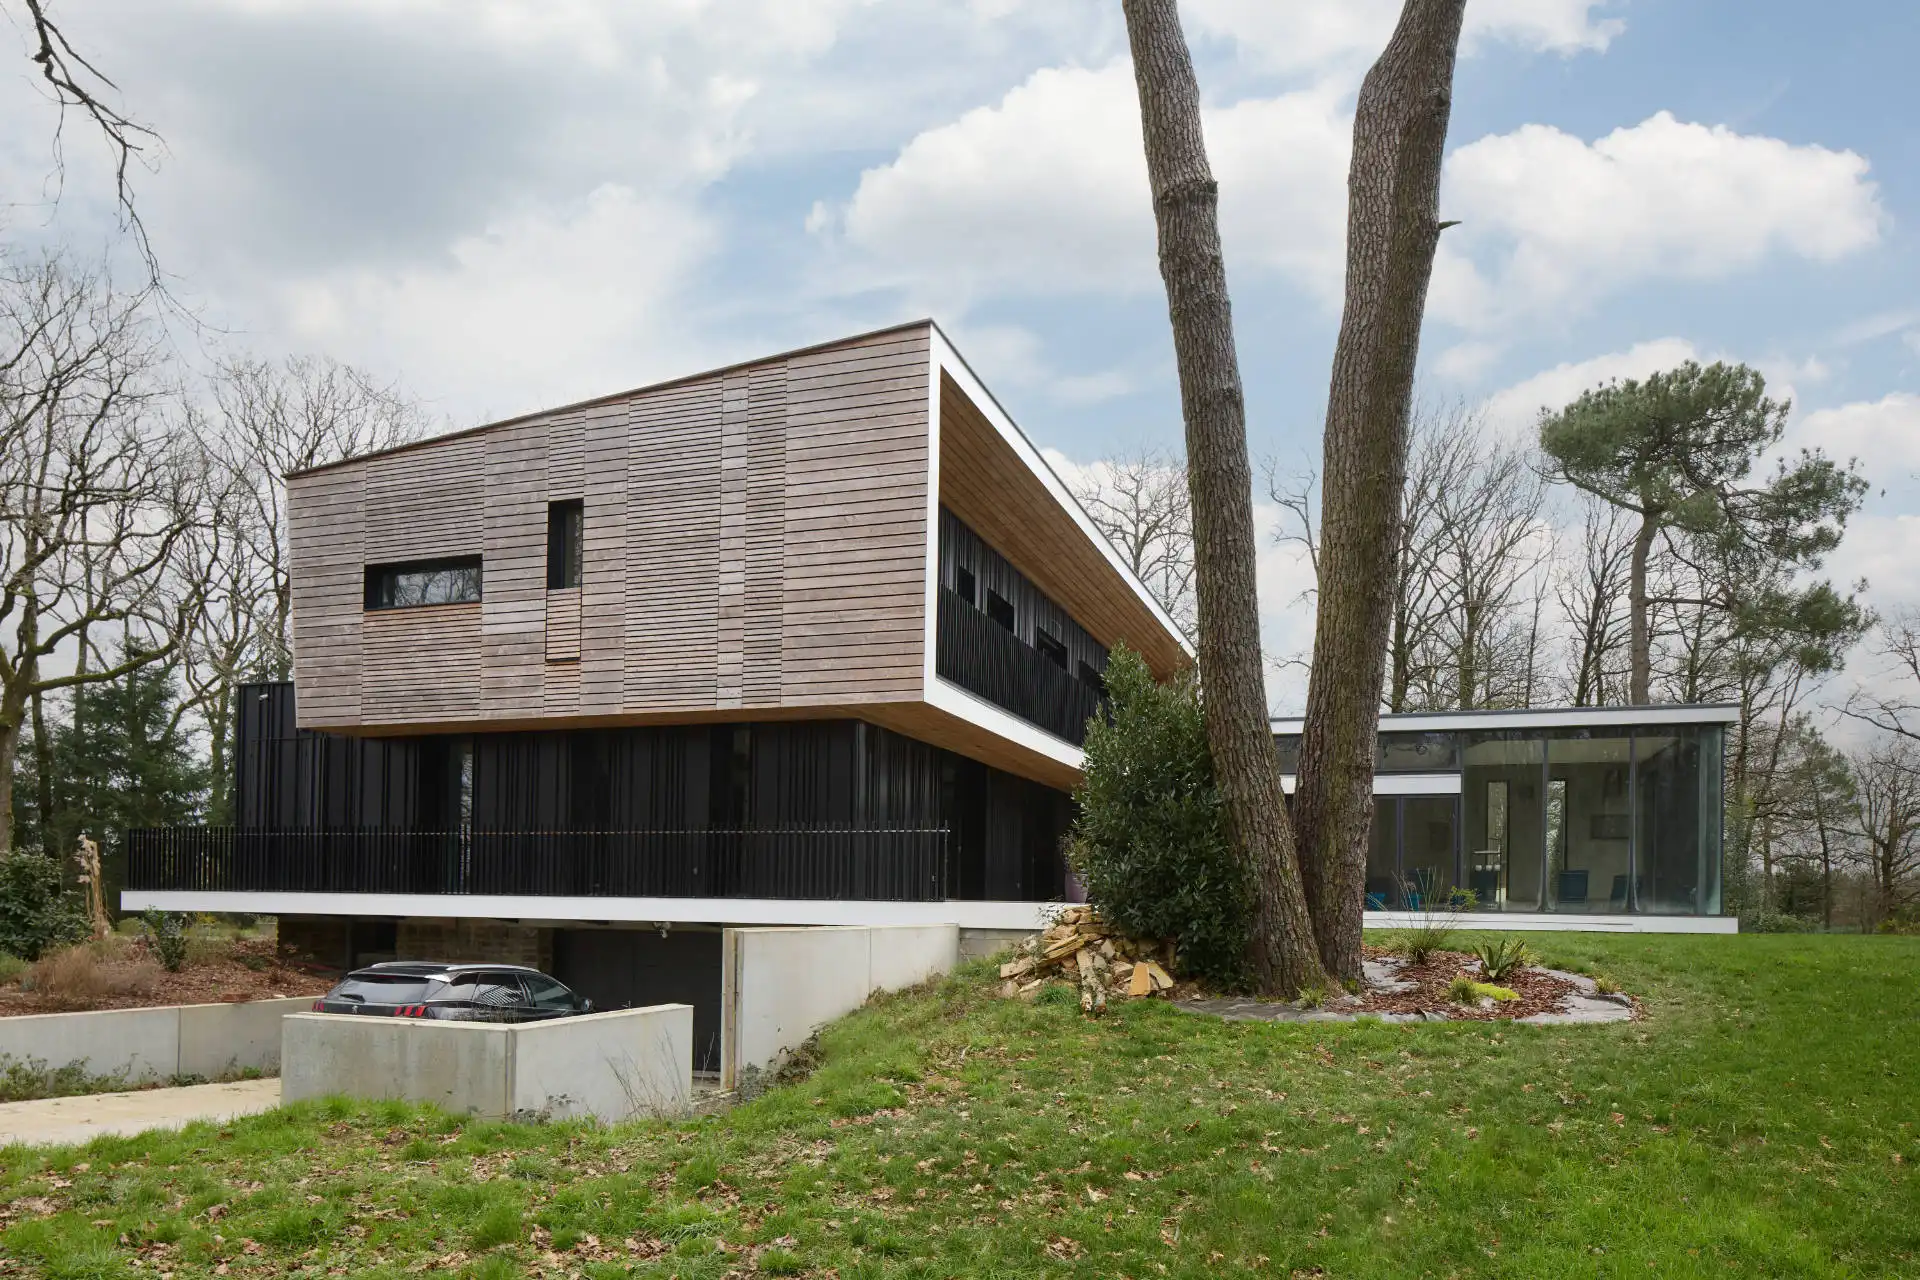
x=982, y=657
x=906, y=865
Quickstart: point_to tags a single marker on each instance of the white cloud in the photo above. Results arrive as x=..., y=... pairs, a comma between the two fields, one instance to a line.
x=1550, y=222
x=1317, y=34
x=541, y=308
x=1883, y=434
x=1045, y=192
x=1518, y=408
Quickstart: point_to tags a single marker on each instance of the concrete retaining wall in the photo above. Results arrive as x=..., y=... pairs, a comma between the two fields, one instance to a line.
x=613, y=1066
x=779, y=986
x=154, y=1044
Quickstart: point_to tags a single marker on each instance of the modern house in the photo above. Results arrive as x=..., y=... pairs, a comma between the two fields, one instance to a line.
x=808, y=640
x=1586, y=817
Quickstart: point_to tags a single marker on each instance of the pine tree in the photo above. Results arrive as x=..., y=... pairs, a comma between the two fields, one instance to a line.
x=124, y=759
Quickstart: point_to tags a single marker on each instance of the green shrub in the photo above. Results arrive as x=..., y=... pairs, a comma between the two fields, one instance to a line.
x=1501, y=958
x=11, y=967
x=1604, y=985
x=1150, y=841
x=37, y=914
x=1464, y=990
x=167, y=933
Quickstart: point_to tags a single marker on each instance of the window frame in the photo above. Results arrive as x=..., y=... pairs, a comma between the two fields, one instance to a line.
x=566, y=543
x=379, y=580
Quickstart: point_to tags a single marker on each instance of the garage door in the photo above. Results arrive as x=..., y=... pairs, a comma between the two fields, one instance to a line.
x=629, y=968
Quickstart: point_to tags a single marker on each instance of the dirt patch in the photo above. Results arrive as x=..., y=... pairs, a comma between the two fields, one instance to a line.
x=1424, y=989
x=122, y=973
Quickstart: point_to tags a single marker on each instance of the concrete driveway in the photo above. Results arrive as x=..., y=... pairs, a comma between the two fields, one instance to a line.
x=59, y=1121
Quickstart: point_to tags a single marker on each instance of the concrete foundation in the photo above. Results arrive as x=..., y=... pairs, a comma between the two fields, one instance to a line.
x=140, y=1045
x=779, y=986
x=611, y=1066
x=977, y=944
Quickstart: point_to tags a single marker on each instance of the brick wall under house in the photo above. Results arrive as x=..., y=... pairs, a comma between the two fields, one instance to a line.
x=492, y=941
x=317, y=940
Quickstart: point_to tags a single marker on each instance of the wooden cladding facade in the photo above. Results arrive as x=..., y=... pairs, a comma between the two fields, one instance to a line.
x=753, y=539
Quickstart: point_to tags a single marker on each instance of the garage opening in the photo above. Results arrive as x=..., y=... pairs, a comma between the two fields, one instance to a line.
x=632, y=968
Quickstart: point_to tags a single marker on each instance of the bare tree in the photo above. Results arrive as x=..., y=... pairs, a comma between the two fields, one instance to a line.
x=1185, y=203
x=1393, y=230
x=94, y=500
x=77, y=85
x=268, y=419
x=228, y=596
x=1591, y=598
x=1140, y=502
x=1895, y=708
x=1489, y=546
x=1474, y=543
x=1887, y=813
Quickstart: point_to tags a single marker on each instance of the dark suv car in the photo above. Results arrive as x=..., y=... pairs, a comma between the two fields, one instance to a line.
x=452, y=992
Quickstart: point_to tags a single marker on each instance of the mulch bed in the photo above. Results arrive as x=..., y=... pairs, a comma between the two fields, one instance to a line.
x=226, y=979
x=1539, y=991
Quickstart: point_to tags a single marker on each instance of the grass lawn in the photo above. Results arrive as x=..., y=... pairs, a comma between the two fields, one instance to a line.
x=1761, y=1121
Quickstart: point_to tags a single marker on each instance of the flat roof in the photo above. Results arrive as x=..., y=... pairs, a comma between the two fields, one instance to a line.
x=1542, y=718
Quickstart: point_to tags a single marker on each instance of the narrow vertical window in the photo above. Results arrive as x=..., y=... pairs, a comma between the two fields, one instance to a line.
x=1050, y=647
x=1000, y=609
x=565, y=523
x=963, y=584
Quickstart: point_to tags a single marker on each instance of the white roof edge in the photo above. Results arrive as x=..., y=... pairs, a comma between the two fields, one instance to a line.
x=1543, y=718
x=951, y=361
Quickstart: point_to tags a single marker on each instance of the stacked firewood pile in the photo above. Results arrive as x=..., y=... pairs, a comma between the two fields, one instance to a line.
x=1083, y=950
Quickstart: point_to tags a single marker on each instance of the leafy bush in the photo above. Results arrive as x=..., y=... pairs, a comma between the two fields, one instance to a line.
x=167, y=934
x=37, y=914
x=1502, y=958
x=11, y=967
x=1150, y=842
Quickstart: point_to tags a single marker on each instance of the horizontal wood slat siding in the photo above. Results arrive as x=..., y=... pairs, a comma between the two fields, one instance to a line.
x=984, y=483
x=751, y=540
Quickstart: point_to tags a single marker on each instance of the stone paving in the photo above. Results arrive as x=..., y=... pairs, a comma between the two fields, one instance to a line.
x=1586, y=1005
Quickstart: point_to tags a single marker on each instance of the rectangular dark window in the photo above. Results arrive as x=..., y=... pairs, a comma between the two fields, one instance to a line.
x=963, y=585
x=1092, y=678
x=455, y=580
x=565, y=522
x=1050, y=648
x=999, y=608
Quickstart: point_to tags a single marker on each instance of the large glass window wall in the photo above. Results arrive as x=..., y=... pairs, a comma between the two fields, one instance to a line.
x=1578, y=821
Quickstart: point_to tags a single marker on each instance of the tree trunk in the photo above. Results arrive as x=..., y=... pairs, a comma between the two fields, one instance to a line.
x=42, y=775
x=1220, y=482
x=1640, y=639
x=9, y=751
x=219, y=799
x=1826, y=862
x=1393, y=228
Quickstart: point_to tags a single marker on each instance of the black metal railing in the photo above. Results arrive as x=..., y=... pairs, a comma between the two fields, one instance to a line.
x=983, y=657
x=876, y=865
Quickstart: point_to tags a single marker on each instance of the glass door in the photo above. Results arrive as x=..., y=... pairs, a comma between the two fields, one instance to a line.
x=1413, y=852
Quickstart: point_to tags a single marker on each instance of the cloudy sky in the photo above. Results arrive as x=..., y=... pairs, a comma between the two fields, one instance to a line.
x=508, y=205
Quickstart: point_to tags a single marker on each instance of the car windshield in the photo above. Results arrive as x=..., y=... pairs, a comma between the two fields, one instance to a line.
x=386, y=988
